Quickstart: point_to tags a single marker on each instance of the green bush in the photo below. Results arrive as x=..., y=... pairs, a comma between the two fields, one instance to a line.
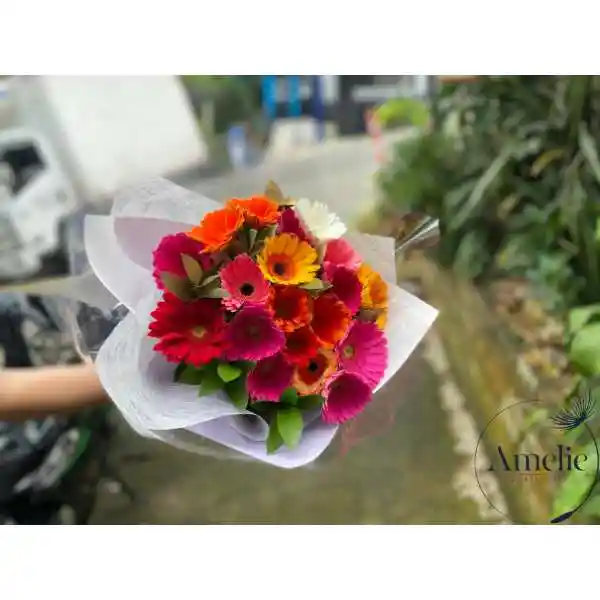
x=403, y=111
x=513, y=173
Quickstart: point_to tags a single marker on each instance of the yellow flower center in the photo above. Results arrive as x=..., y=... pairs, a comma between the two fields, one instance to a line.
x=199, y=332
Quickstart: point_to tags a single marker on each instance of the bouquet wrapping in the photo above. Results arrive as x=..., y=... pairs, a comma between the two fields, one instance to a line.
x=261, y=325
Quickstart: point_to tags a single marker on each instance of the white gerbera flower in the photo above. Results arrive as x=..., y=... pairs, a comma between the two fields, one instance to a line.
x=319, y=221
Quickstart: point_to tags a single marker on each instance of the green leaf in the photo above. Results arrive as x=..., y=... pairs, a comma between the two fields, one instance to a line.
x=192, y=268
x=290, y=425
x=592, y=507
x=576, y=484
x=273, y=192
x=589, y=150
x=237, y=392
x=192, y=375
x=312, y=402
x=179, y=370
x=252, y=233
x=211, y=382
x=316, y=285
x=584, y=350
x=579, y=316
x=228, y=372
x=289, y=396
x=274, y=440
x=214, y=293
x=482, y=186
x=179, y=286
x=210, y=280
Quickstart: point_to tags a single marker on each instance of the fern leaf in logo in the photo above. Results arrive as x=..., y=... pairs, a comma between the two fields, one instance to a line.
x=581, y=410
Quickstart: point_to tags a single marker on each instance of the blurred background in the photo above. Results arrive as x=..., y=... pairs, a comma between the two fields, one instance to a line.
x=509, y=165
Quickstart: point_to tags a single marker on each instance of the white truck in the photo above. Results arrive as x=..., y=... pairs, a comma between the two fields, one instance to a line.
x=74, y=141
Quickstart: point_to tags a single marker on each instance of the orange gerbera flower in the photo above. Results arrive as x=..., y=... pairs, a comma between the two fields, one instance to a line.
x=331, y=319
x=287, y=260
x=310, y=377
x=374, y=294
x=258, y=210
x=218, y=228
x=291, y=307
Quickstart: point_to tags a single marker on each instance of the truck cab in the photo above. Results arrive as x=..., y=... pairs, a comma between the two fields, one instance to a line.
x=35, y=200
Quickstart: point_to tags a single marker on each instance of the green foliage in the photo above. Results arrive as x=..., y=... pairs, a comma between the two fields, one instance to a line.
x=403, y=111
x=513, y=173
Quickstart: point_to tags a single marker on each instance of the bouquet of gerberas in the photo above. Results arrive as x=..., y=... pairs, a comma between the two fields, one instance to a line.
x=261, y=324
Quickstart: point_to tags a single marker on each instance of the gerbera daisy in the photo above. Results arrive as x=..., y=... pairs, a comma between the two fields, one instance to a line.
x=269, y=378
x=190, y=332
x=346, y=395
x=341, y=254
x=310, y=377
x=331, y=319
x=289, y=223
x=346, y=286
x=364, y=352
x=259, y=211
x=218, y=228
x=252, y=335
x=245, y=283
x=287, y=260
x=317, y=220
x=374, y=293
x=300, y=345
x=291, y=307
x=167, y=256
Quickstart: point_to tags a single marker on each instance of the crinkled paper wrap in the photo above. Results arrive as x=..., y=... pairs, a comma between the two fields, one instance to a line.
x=140, y=382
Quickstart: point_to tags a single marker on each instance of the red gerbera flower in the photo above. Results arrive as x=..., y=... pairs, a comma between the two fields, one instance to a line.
x=300, y=345
x=190, y=332
x=331, y=319
x=291, y=307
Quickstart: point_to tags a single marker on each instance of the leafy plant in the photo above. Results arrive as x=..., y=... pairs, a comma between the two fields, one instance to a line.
x=513, y=173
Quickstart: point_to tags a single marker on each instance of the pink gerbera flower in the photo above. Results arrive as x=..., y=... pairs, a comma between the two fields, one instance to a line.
x=346, y=395
x=364, y=352
x=346, y=286
x=289, y=223
x=167, y=256
x=245, y=283
x=269, y=378
x=252, y=335
x=341, y=254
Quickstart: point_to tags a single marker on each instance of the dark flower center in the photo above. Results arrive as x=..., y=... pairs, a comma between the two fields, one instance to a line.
x=247, y=289
x=348, y=352
x=253, y=332
x=279, y=269
x=313, y=366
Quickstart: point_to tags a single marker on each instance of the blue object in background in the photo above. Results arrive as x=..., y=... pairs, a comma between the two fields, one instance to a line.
x=318, y=106
x=237, y=146
x=269, y=96
x=293, y=96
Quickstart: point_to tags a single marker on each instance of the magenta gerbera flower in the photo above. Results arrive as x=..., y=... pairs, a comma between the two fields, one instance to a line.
x=346, y=286
x=245, y=283
x=269, y=378
x=341, y=254
x=252, y=335
x=364, y=352
x=346, y=395
x=289, y=223
x=167, y=256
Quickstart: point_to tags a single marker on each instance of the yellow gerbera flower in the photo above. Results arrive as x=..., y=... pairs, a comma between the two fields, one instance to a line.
x=374, y=293
x=287, y=260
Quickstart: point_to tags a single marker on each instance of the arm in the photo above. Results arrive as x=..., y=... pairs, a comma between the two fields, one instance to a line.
x=38, y=392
